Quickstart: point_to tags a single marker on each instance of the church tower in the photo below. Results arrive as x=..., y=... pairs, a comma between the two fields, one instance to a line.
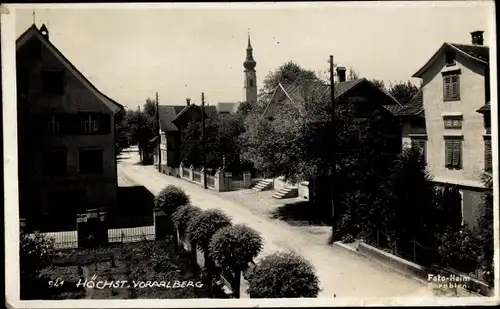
x=250, y=76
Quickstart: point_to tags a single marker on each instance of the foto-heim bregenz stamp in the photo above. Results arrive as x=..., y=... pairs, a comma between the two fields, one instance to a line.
x=105, y=284
x=447, y=282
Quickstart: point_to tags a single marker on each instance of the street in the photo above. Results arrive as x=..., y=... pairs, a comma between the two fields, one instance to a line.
x=341, y=273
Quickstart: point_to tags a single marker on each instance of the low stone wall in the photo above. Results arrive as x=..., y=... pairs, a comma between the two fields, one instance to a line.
x=425, y=274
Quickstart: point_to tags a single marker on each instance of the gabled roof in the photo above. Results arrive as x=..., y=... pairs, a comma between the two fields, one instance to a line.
x=33, y=31
x=478, y=53
x=169, y=113
x=228, y=107
x=293, y=92
x=415, y=107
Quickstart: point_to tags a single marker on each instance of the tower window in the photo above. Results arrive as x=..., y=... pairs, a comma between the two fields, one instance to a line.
x=251, y=82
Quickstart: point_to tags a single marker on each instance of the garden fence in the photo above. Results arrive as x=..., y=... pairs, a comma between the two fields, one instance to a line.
x=417, y=253
x=63, y=240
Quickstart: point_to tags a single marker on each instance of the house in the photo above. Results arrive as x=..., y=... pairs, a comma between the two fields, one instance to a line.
x=449, y=119
x=173, y=119
x=360, y=94
x=66, y=138
x=225, y=108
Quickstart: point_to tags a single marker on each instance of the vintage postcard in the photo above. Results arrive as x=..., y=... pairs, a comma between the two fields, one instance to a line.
x=250, y=154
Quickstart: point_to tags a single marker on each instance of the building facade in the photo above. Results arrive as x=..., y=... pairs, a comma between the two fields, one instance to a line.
x=449, y=119
x=66, y=137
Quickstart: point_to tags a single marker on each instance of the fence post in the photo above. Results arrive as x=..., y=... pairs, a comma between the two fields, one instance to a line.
x=219, y=181
x=202, y=175
x=191, y=173
x=247, y=180
x=228, y=180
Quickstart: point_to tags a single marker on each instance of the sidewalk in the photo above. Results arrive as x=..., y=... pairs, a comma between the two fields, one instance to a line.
x=341, y=273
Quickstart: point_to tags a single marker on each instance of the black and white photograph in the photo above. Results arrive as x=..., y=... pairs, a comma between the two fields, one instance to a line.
x=250, y=154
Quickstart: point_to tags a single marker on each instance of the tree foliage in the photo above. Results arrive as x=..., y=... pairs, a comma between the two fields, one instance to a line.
x=182, y=215
x=403, y=92
x=485, y=229
x=283, y=275
x=235, y=246
x=170, y=198
x=203, y=226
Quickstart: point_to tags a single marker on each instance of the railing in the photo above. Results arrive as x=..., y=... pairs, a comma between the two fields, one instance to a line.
x=197, y=176
x=210, y=181
x=237, y=184
x=63, y=240
x=134, y=234
x=185, y=172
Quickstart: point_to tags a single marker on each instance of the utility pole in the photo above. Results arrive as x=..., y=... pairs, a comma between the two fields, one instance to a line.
x=203, y=139
x=158, y=132
x=334, y=166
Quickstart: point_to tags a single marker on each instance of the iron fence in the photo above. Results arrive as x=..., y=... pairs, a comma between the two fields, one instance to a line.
x=237, y=184
x=135, y=234
x=211, y=181
x=62, y=240
x=185, y=172
x=417, y=253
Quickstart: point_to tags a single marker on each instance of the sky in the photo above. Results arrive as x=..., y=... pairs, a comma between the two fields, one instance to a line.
x=130, y=54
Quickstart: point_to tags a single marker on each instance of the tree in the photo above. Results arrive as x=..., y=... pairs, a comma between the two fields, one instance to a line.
x=36, y=252
x=200, y=230
x=233, y=247
x=378, y=83
x=170, y=198
x=485, y=229
x=353, y=75
x=182, y=215
x=149, y=107
x=403, y=92
x=296, y=277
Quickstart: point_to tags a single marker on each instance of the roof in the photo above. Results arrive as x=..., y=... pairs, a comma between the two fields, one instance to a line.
x=293, y=92
x=34, y=31
x=228, y=107
x=478, y=53
x=415, y=107
x=168, y=114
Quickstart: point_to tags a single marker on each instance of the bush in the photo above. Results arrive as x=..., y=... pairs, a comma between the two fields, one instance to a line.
x=485, y=230
x=235, y=246
x=283, y=275
x=183, y=215
x=459, y=249
x=203, y=226
x=170, y=198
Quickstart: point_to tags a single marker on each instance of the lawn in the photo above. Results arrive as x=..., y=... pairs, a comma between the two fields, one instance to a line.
x=153, y=261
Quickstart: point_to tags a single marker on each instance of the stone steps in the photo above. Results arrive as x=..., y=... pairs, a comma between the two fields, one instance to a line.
x=286, y=193
x=263, y=185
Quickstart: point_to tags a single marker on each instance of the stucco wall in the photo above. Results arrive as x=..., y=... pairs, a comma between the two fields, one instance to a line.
x=99, y=188
x=472, y=95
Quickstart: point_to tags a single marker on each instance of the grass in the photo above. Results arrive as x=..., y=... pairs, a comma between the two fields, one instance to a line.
x=133, y=262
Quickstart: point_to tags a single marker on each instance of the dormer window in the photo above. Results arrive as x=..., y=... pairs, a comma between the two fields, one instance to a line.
x=450, y=58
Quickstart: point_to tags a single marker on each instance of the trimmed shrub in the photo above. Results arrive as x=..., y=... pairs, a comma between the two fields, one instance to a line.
x=235, y=246
x=183, y=215
x=203, y=226
x=283, y=275
x=171, y=198
x=459, y=249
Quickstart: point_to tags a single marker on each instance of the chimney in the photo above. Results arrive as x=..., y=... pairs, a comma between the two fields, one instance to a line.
x=44, y=31
x=341, y=74
x=188, y=101
x=477, y=37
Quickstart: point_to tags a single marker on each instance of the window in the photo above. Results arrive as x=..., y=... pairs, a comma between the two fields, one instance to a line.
x=488, y=165
x=251, y=83
x=53, y=82
x=420, y=145
x=89, y=123
x=54, y=162
x=452, y=122
x=453, y=153
x=450, y=58
x=90, y=161
x=54, y=124
x=451, y=87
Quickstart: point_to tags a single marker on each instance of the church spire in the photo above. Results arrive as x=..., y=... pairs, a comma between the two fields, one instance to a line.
x=249, y=63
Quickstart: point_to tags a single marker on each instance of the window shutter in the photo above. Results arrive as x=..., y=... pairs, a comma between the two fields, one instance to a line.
x=454, y=86
x=447, y=89
x=448, y=152
x=456, y=153
x=487, y=155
